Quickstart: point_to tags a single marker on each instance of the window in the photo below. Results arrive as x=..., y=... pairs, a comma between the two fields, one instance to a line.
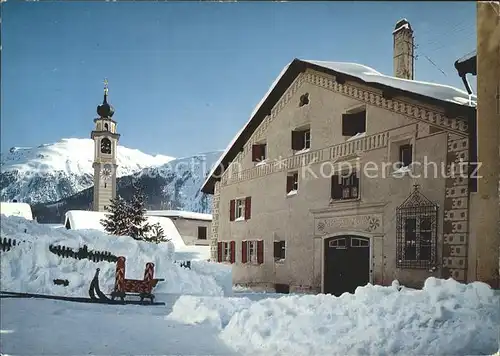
x=338, y=243
x=304, y=99
x=106, y=146
x=240, y=209
x=355, y=242
x=417, y=239
x=345, y=187
x=292, y=183
x=106, y=127
x=226, y=251
x=249, y=255
x=353, y=123
x=202, y=232
x=416, y=232
x=252, y=252
x=405, y=155
x=279, y=251
x=105, y=185
x=259, y=152
x=301, y=139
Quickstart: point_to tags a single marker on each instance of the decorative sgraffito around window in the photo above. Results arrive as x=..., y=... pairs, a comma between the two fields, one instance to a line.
x=416, y=232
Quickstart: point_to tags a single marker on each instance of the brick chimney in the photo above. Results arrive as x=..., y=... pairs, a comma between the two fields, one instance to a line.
x=403, y=50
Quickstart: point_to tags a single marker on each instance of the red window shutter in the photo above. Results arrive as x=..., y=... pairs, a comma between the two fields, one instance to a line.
x=258, y=152
x=255, y=153
x=219, y=251
x=232, y=251
x=260, y=252
x=336, y=187
x=244, y=252
x=232, y=205
x=248, y=208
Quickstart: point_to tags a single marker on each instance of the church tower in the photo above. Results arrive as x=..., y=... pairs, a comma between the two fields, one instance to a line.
x=403, y=50
x=105, y=146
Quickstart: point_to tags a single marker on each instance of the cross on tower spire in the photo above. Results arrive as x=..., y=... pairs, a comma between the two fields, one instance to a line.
x=105, y=89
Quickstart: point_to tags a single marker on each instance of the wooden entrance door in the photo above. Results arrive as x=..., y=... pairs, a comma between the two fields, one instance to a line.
x=347, y=264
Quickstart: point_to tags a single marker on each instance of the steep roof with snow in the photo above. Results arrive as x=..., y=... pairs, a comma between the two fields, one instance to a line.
x=444, y=96
x=180, y=214
x=16, y=209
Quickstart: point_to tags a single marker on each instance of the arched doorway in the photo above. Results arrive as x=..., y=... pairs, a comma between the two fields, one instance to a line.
x=346, y=264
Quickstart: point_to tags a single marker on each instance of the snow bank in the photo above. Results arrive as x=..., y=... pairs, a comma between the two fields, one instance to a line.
x=215, y=311
x=31, y=267
x=445, y=317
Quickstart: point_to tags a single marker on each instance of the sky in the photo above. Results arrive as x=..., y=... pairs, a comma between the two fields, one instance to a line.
x=185, y=76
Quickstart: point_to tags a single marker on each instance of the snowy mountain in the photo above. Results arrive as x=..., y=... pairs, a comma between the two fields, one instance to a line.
x=51, y=172
x=174, y=185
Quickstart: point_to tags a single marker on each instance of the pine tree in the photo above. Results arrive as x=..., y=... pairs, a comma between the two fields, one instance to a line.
x=156, y=234
x=117, y=221
x=139, y=226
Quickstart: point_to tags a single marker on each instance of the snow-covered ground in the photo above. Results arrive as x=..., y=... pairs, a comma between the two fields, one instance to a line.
x=48, y=327
x=445, y=318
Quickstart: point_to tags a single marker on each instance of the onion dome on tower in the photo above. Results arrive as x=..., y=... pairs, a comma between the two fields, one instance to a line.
x=105, y=110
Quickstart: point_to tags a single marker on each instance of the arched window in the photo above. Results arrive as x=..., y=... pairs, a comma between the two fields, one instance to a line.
x=416, y=232
x=106, y=146
x=106, y=127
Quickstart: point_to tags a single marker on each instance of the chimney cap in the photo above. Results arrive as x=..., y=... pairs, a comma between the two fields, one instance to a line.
x=401, y=24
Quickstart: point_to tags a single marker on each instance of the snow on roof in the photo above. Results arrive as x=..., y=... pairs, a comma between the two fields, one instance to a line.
x=467, y=56
x=403, y=23
x=432, y=90
x=437, y=91
x=16, y=209
x=180, y=214
x=84, y=219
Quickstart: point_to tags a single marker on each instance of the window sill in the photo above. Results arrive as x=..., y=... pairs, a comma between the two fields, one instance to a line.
x=261, y=163
x=280, y=261
x=417, y=264
x=292, y=193
x=355, y=137
x=305, y=150
x=239, y=219
x=335, y=201
x=401, y=172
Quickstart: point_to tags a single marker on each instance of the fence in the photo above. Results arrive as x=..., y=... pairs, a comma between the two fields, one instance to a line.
x=185, y=264
x=83, y=253
x=7, y=244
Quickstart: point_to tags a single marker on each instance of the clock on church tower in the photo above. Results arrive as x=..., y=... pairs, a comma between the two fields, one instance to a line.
x=105, y=146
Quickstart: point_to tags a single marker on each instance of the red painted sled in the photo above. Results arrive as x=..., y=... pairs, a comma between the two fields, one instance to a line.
x=143, y=288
